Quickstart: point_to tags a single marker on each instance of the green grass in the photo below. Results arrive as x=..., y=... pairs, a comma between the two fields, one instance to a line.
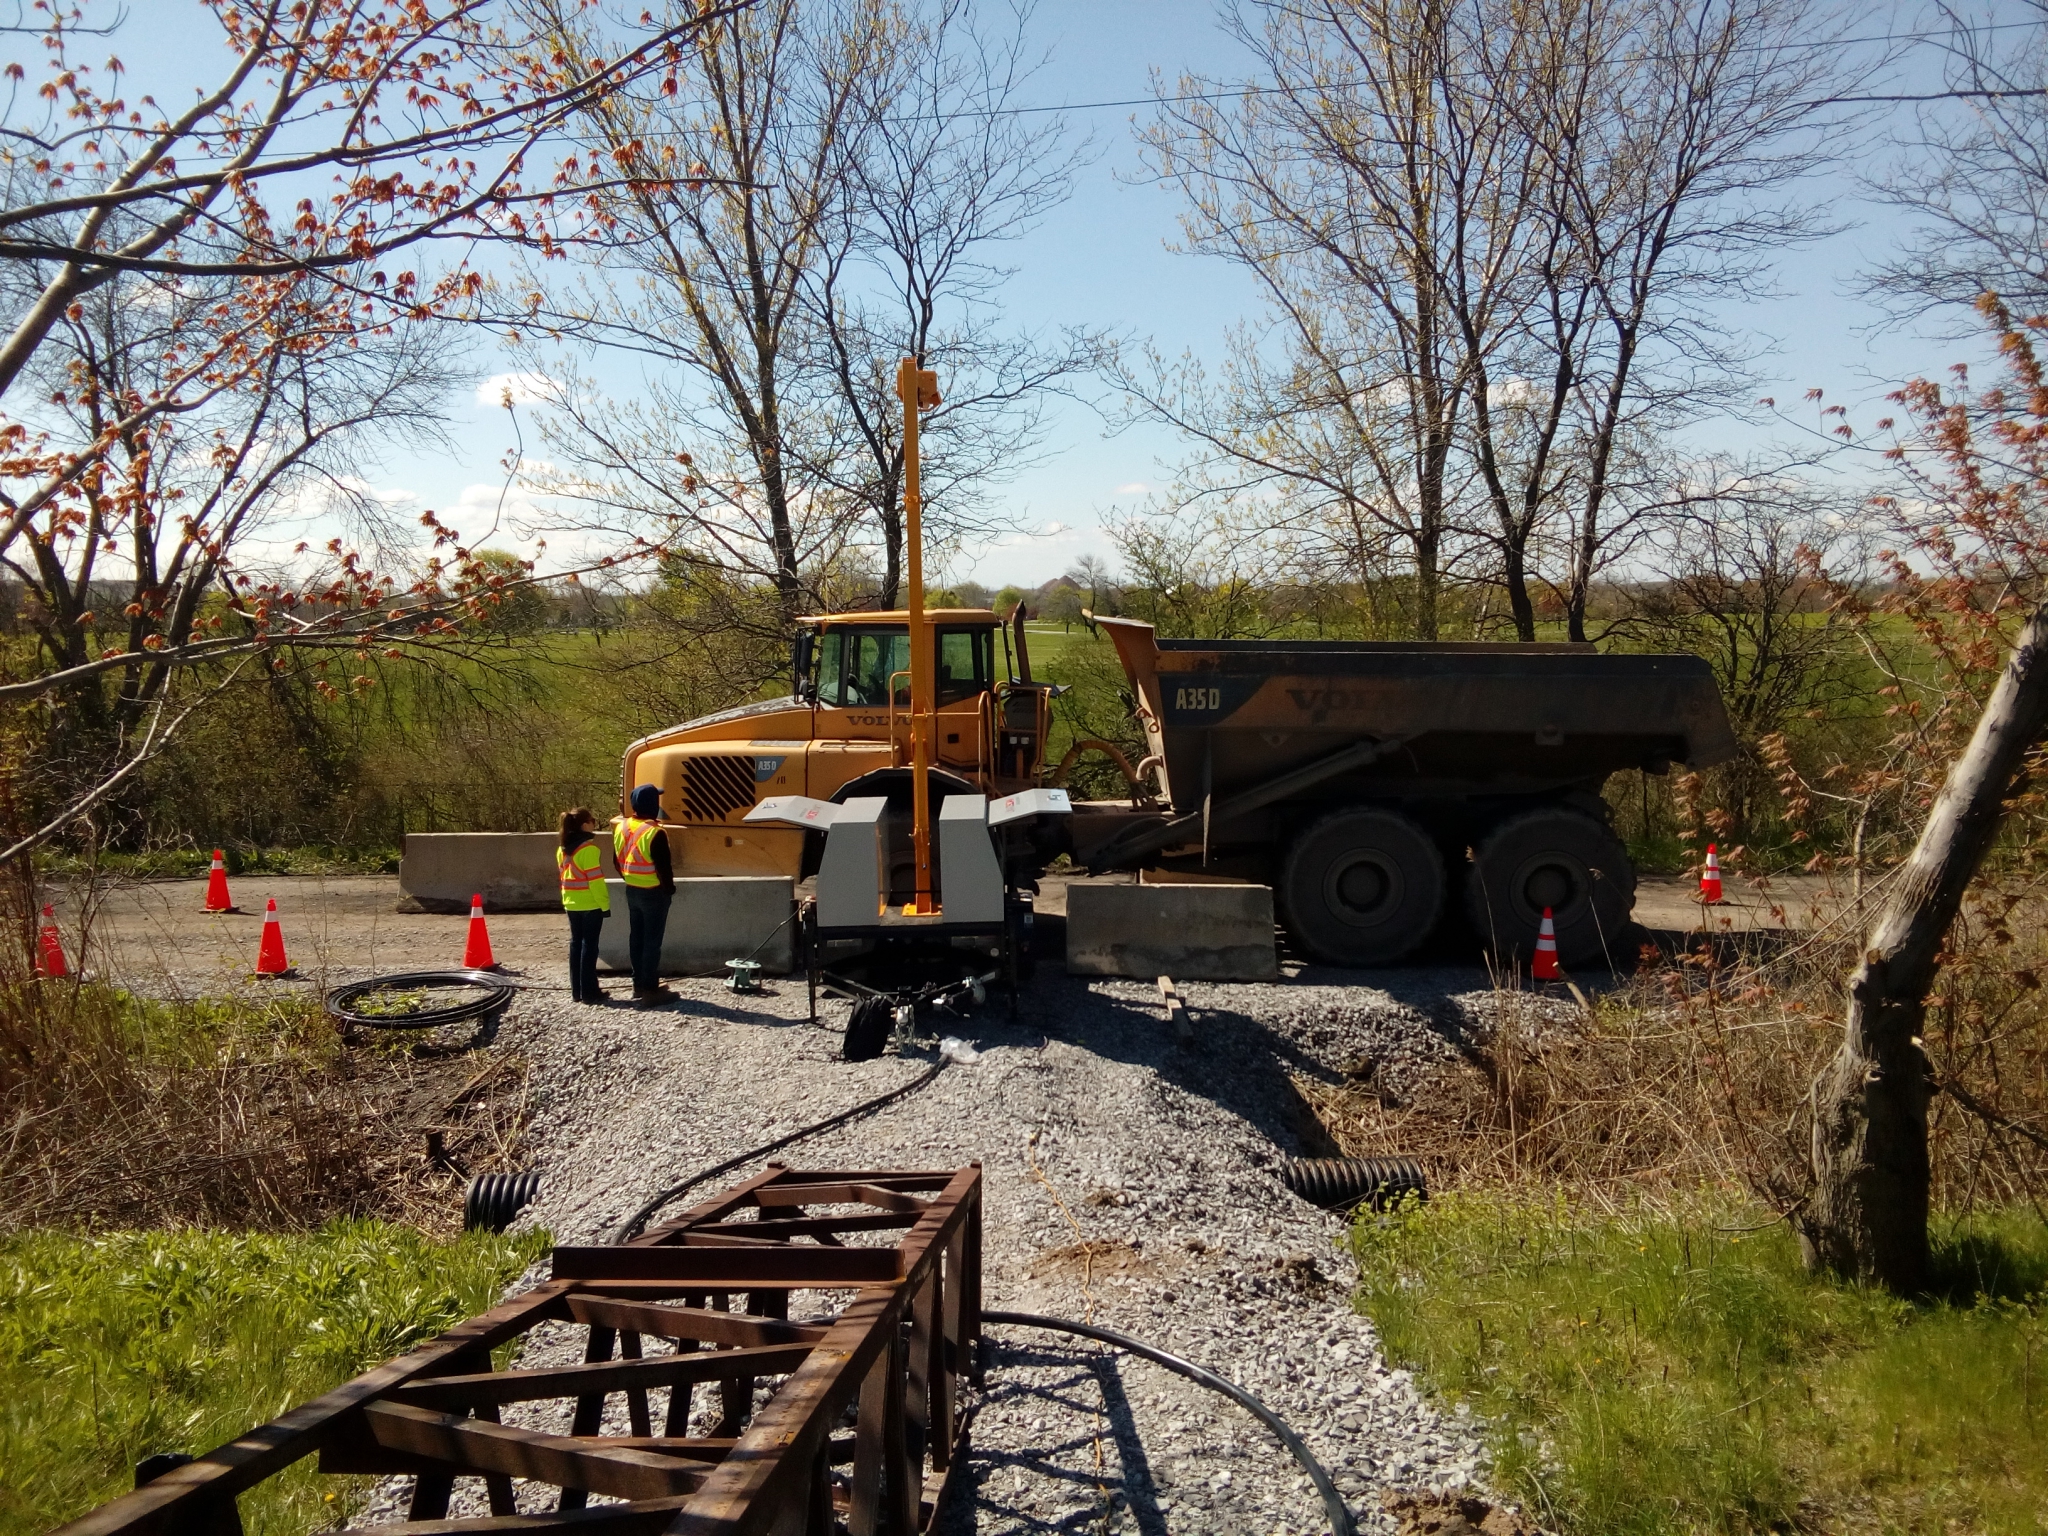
x=115, y=1347
x=1673, y=1373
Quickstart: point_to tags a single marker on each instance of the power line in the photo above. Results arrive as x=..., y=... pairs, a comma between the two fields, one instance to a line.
x=1241, y=93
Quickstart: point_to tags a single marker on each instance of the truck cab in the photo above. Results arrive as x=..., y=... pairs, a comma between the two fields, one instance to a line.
x=845, y=732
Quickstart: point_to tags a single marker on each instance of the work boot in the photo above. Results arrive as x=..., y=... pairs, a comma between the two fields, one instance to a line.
x=596, y=999
x=655, y=998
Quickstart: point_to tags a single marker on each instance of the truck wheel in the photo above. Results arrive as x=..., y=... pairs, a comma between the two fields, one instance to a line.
x=1361, y=887
x=1557, y=859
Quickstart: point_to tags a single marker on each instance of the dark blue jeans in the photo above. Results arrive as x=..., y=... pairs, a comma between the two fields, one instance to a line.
x=647, y=920
x=583, y=934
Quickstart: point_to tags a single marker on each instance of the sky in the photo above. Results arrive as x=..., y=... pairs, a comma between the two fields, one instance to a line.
x=1102, y=260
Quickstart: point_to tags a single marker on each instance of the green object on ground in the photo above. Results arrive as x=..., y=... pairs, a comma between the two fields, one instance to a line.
x=1664, y=1371
x=118, y=1346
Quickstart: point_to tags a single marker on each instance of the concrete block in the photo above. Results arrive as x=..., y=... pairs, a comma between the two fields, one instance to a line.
x=855, y=870
x=514, y=870
x=970, y=879
x=714, y=918
x=1188, y=932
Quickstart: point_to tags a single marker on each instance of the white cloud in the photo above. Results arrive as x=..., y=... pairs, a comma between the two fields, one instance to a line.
x=521, y=388
x=1135, y=488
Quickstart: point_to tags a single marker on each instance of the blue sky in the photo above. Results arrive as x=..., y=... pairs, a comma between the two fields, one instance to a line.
x=1101, y=260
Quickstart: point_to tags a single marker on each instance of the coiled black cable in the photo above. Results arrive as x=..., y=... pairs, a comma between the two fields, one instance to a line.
x=494, y=992
x=631, y=1228
x=1341, y=1522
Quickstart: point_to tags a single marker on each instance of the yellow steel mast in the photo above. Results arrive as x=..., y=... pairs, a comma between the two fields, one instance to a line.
x=918, y=389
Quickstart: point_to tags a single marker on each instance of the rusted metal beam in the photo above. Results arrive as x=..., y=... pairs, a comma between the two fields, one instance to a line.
x=675, y=1308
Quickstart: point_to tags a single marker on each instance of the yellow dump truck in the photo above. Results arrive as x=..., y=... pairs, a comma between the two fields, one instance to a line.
x=1374, y=785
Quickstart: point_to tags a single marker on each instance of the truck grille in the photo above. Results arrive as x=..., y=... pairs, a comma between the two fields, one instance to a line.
x=715, y=787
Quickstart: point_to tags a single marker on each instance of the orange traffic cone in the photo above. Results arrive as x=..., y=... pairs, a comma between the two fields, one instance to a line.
x=217, y=898
x=50, y=948
x=1544, y=966
x=270, y=960
x=1710, y=878
x=476, y=953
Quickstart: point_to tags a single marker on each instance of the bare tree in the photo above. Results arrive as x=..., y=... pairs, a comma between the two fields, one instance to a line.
x=1487, y=234
x=1327, y=183
x=738, y=179
x=1977, y=174
x=1677, y=195
x=948, y=169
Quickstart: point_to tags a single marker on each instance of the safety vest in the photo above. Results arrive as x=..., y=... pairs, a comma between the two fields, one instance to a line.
x=633, y=846
x=582, y=872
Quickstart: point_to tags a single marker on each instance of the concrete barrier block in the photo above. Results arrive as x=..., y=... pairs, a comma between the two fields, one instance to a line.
x=515, y=870
x=1188, y=932
x=714, y=918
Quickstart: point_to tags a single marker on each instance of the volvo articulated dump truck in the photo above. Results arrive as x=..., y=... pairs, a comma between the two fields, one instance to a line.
x=1376, y=786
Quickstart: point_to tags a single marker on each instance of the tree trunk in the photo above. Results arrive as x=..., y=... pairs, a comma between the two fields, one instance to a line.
x=1868, y=1219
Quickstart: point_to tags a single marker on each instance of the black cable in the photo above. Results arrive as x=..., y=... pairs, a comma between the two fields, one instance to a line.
x=1341, y=1523
x=496, y=993
x=631, y=1229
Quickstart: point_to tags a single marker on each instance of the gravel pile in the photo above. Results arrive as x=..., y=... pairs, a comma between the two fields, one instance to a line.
x=1128, y=1179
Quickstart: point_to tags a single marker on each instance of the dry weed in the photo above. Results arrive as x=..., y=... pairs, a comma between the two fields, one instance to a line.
x=123, y=1111
x=1697, y=1070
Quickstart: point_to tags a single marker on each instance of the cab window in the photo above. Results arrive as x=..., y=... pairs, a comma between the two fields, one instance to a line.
x=827, y=662
x=871, y=657
x=964, y=669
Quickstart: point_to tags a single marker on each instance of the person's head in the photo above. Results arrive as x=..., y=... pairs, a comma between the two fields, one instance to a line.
x=577, y=823
x=647, y=802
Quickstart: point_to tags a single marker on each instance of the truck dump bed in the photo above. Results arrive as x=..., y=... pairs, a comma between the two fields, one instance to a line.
x=1469, y=719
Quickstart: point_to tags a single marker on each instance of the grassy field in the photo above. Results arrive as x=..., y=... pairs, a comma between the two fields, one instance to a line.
x=1675, y=1370
x=116, y=1347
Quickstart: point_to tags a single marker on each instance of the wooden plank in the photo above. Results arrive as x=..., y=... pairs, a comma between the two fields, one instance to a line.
x=864, y=1509
x=246, y=1461
x=733, y=1269
x=645, y=1517
x=636, y=1397
x=470, y=1445
x=811, y=1226
x=917, y=1394
x=743, y=1493
x=461, y=1392
x=589, y=1415
x=713, y=1208
x=881, y=1199
x=691, y=1323
x=670, y=1290
x=698, y=1448
x=722, y=1237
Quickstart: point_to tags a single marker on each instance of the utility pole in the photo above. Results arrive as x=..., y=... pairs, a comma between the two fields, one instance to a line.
x=918, y=389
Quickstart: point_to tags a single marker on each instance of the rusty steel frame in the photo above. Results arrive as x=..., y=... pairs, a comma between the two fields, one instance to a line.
x=715, y=1282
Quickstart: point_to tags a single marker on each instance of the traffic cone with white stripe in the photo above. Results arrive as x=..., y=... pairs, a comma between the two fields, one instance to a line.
x=50, y=948
x=217, y=898
x=270, y=960
x=476, y=952
x=1544, y=966
x=1710, y=877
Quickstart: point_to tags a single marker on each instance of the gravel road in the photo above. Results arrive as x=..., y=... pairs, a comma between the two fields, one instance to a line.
x=1129, y=1179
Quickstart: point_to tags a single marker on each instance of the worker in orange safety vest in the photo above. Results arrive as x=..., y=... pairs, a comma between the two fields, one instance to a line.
x=641, y=848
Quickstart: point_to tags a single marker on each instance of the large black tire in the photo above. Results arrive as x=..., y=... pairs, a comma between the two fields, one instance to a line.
x=1361, y=887
x=1558, y=859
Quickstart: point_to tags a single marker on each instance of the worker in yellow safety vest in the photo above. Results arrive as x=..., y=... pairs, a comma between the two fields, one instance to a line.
x=641, y=848
x=580, y=863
